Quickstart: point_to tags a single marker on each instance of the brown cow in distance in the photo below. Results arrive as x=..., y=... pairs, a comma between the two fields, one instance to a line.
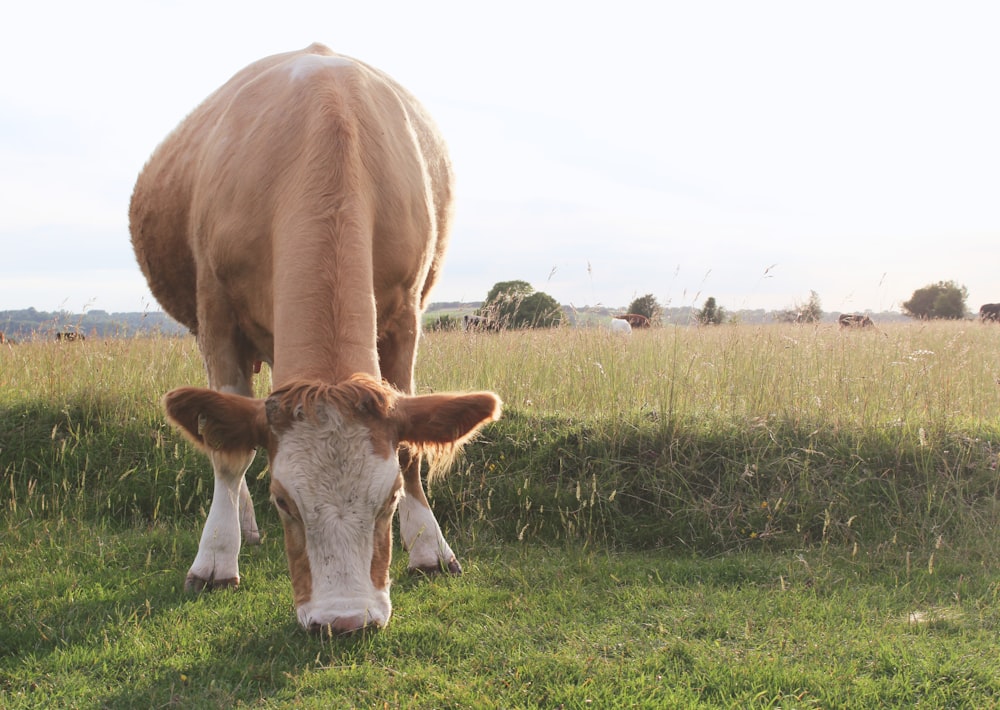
x=635, y=320
x=299, y=216
x=70, y=336
x=472, y=323
x=989, y=312
x=855, y=320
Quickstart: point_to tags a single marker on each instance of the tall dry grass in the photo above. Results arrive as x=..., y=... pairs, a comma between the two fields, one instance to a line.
x=935, y=375
x=697, y=438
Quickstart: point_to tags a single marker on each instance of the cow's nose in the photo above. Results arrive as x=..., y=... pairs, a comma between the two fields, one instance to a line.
x=344, y=625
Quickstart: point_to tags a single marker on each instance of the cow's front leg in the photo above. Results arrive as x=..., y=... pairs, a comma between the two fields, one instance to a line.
x=419, y=529
x=217, y=562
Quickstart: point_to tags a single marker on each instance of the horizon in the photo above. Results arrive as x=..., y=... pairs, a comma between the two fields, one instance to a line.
x=435, y=306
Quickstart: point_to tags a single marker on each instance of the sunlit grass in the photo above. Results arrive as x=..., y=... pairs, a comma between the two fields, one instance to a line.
x=939, y=374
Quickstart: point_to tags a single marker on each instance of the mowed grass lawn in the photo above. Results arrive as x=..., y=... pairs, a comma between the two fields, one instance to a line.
x=736, y=516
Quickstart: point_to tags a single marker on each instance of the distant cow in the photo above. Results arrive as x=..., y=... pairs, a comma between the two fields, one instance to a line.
x=635, y=320
x=619, y=326
x=70, y=336
x=855, y=320
x=3, y=339
x=470, y=322
x=299, y=216
x=990, y=311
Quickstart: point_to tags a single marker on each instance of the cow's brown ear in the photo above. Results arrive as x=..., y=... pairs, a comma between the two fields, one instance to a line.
x=216, y=421
x=444, y=419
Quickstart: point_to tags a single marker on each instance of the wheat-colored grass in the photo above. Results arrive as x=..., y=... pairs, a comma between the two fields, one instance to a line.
x=915, y=375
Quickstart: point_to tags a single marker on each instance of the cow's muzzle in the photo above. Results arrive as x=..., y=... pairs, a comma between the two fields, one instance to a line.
x=345, y=625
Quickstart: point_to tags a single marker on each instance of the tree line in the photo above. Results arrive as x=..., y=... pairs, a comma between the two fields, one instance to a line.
x=516, y=304
x=29, y=324
x=509, y=304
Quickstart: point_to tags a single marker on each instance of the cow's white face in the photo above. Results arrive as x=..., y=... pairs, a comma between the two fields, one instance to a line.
x=336, y=482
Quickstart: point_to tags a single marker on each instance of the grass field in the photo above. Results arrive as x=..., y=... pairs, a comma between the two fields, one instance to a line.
x=736, y=516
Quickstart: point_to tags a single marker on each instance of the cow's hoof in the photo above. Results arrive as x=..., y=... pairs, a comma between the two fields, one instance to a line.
x=452, y=567
x=196, y=584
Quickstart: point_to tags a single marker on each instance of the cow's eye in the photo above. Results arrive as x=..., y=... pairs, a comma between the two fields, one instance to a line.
x=281, y=503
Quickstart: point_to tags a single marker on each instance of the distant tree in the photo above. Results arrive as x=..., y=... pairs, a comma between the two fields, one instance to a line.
x=502, y=302
x=508, y=291
x=786, y=316
x=809, y=312
x=646, y=306
x=945, y=299
x=28, y=324
x=710, y=314
x=539, y=310
x=515, y=304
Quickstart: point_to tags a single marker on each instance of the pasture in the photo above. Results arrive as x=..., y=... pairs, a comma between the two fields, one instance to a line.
x=733, y=516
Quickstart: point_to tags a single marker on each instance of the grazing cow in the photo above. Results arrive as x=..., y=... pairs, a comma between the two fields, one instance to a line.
x=70, y=336
x=855, y=320
x=635, y=320
x=470, y=322
x=299, y=216
x=619, y=326
x=990, y=312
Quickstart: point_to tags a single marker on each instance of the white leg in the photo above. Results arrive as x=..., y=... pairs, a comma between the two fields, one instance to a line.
x=229, y=363
x=422, y=537
x=217, y=561
x=419, y=529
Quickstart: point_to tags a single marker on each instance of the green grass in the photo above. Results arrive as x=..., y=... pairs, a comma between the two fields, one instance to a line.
x=107, y=624
x=718, y=517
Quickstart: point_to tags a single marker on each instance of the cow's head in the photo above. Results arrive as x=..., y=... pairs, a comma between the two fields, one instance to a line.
x=335, y=477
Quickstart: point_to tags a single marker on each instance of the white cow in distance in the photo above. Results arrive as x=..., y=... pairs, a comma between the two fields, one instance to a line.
x=619, y=327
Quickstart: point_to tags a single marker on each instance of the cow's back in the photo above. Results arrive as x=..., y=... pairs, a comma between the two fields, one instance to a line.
x=217, y=189
x=159, y=213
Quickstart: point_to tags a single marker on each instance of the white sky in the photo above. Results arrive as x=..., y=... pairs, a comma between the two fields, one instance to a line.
x=750, y=151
